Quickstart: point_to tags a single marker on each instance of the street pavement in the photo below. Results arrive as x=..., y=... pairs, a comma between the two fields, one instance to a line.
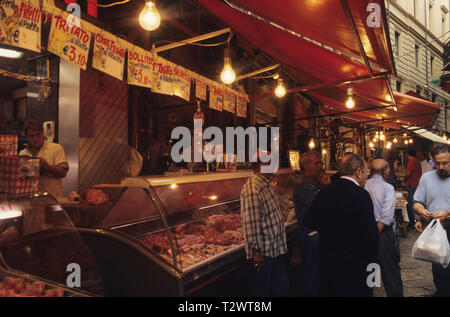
x=416, y=275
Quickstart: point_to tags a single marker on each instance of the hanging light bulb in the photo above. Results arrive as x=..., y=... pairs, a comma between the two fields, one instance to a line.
x=382, y=137
x=324, y=152
x=312, y=144
x=280, y=91
x=228, y=75
x=444, y=137
x=371, y=145
x=395, y=140
x=404, y=134
x=149, y=18
x=411, y=141
x=375, y=139
x=350, y=103
x=406, y=142
x=388, y=145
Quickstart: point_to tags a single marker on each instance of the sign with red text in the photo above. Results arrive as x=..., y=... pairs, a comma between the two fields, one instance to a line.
x=163, y=77
x=216, y=97
x=140, y=67
x=229, y=100
x=108, y=56
x=181, y=83
x=20, y=24
x=241, y=105
x=200, y=88
x=69, y=43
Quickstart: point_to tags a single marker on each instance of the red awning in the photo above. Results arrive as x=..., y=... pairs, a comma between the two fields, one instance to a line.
x=327, y=22
x=321, y=69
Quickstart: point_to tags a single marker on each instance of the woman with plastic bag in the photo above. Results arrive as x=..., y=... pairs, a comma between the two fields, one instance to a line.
x=432, y=203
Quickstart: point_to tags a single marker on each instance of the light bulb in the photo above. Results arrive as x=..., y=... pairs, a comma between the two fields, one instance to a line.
x=388, y=145
x=406, y=142
x=228, y=75
x=395, y=108
x=280, y=91
x=411, y=141
x=375, y=139
x=149, y=18
x=404, y=134
x=444, y=137
x=382, y=137
x=395, y=140
x=324, y=152
x=312, y=144
x=371, y=144
x=350, y=103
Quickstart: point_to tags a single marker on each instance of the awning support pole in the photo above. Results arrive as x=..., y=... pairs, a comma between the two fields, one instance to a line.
x=256, y=72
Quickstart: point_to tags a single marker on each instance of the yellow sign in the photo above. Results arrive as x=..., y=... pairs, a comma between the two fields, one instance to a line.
x=229, y=100
x=140, y=67
x=20, y=24
x=69, y=42
x=108, y=56
x=241, y=105
x=181, y=83
x=163, y=77
x=216, y=97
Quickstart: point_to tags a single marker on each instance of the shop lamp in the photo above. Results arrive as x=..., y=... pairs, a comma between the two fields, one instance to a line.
x=280, y=91
x=228, y=75
x=406, y=142
x=371, y=145
x=173, y=186
x=388, y=145
x=382, y=137
x=312, y=144
x=404, y=134
x=411, y=141
x=448, y=142
x=324, y=152
x=149, y=19
x=444, y=137
x=395, y=140
x=350, y=103
x=395, y=108
x=4, y=52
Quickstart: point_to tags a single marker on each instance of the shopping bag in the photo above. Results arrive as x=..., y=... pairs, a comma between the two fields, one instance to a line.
x=8, y=145
x=19, y=175
x=432, y=245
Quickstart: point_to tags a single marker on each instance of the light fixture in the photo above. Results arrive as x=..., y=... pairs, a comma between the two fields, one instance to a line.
x=444, y=137
x=375, y=139
x=406, y=142
x=280, y=91
x=388, y=145
x=173, y=186
x=371, y=145
x=4, y=52
x=228, y=75
x=382, y=137
x=324, y=151
x=395, y=108
x=411, y=141
x=395, y=140
x=312, y=144
x=404, y=134
x=350, y=103
x=149, y=18
x=213, y=197
x=276, y=76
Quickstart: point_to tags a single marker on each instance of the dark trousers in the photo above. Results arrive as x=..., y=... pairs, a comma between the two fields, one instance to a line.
x=309, y=268
x=441, y=276
x=411, y=190
x=389, y=259
x=272, y=280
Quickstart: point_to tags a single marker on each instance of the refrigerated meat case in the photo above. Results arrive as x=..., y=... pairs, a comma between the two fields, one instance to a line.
x=177, y=236
x=39, y=244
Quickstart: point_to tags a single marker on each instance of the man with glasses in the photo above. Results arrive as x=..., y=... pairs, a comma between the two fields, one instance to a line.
x=432, y=201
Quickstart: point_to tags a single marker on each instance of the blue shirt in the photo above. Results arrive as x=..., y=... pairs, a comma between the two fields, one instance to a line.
x=433, y=192
x=383, y=198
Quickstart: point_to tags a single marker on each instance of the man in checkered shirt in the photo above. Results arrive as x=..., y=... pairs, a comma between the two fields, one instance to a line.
x=265, y=235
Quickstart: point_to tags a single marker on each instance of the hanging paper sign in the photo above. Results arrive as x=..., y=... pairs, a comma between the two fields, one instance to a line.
x=69, y=42
x=20, y=24
x=108, y=56
x=140, y=67
x=162, y=77
x=181, y=83
x=229, y=100
x=241, y=105
x=216, y=97
x=200, y=88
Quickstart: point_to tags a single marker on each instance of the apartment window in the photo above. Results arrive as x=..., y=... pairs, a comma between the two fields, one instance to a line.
x=397, y=43
x=398, y=85
x=418, y=90
x=431, y=64
x=416, y=50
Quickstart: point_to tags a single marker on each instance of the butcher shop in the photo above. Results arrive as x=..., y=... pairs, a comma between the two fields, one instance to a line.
x=106, y=200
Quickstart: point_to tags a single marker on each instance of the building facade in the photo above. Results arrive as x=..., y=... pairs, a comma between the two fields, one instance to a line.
x=418, y=31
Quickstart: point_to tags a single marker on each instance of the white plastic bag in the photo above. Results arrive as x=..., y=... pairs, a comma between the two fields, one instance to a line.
x=432, y=245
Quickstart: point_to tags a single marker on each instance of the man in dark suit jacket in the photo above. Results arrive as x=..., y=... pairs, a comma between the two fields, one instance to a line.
x=343, y=215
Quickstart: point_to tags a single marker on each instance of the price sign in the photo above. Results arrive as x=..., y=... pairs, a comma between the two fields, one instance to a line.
x=140, y=68
x=108, y=56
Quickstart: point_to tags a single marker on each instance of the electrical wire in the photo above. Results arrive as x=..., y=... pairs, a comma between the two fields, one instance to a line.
x=109, y=5
x=426, y=44
x=196, y=44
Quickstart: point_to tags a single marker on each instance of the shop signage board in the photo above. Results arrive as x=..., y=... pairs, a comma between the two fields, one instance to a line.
x=71, y=43
x=140, y=67
x=20, y=24
x=182, y=83
x=229, y=100
x=241, y=105
x=163, y=77
x=216, y=97
x=108, y=56
x=200, y=88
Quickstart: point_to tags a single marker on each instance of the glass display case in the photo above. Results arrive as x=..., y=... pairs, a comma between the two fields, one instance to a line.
x=189, y=227
x=42, y=253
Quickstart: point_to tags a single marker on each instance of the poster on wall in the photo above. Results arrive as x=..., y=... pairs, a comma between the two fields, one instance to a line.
x=200, y=88
x=241, y=105
x=108, y=55
x=140, y=67
x=69, y=42
x=229, y=100
x=20, y=24
x=216, y=97
x=163, y=77
x=182, y=83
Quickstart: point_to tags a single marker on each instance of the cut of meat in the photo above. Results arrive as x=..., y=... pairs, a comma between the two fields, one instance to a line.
x=18, y=287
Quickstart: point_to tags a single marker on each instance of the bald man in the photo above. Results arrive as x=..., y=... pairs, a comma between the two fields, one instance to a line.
x=383, y=198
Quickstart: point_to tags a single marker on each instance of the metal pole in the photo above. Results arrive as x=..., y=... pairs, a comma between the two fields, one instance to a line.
x=426, y=52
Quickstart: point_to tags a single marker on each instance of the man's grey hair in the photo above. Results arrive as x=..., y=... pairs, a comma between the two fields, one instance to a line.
x=306, y=158
x=438, y=148
x=350, y=164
